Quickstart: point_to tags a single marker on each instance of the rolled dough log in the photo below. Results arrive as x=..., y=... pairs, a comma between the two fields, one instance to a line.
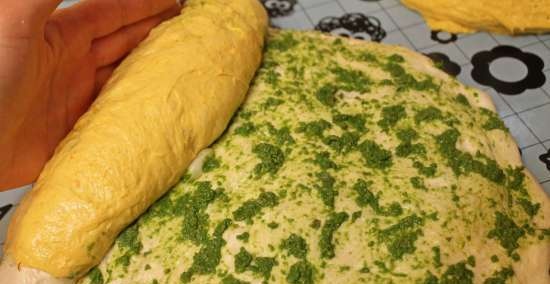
x=172, y=97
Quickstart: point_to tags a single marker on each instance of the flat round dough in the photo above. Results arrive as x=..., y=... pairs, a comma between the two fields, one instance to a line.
x=349, y=162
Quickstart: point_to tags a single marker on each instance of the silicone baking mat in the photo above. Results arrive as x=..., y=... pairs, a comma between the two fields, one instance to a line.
x=518, y=77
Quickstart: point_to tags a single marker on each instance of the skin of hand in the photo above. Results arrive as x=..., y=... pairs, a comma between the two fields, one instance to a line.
x=53, y=64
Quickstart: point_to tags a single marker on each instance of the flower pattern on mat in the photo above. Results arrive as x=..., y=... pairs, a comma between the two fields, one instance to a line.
x=443, y=62
x=545, y=158
x=355, y=25
x=443, y=39
x=482, y=73
x=279, y=8
x=4, y=210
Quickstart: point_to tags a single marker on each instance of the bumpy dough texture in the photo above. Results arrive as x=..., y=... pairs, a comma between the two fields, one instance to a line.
x=499, y=16
x=349, y=162
x=173, y=96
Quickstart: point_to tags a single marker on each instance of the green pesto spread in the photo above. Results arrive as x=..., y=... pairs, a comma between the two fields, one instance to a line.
x=346, y=161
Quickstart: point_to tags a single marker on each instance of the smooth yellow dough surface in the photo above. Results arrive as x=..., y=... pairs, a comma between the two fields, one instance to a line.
x=172, y=97
x=498, y=16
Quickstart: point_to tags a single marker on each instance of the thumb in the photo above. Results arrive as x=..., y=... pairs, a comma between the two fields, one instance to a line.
x=23, y=17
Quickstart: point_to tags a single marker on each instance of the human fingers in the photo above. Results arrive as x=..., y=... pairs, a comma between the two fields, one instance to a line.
x=98, y=18
x=20, y=18
x=113, y=47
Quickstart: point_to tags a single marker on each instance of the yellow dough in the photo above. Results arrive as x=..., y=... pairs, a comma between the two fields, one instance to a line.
x=172, y=97
x=498, y=16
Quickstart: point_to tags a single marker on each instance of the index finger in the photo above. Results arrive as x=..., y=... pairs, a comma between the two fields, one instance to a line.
x=102, y=17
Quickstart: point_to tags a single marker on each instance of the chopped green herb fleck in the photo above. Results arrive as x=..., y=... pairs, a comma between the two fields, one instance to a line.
x=95, y=276
x=243, y=237
x=332, y=224
x=296, y=246
x=515, y=179
x=428, y=171
x=390, y=116
x=500, y=277
x=244, y=114
x=208, y=257
x=283, y=43
x=457, y=274
x=437, y=256
x=407, y=134
x=406, y=149
x=463, y=163
x=431, y=279
x=129, y=242
x=272, y=77
x=192, y=207
x=323, y=160
x=271, y=156
x=351, y=80
x=245, y=129
x=346, y=121
x=242, y=260
x=344, y=143
x=251, y=208
x=273, y=225
x=301, y=272
x=462, y=100
x=396, y=58
x=282, y=136
x=400, y=237
x=344, y=268
x=263, y=266
x=315, y=224
x=418, y=183
x=365, y=197
x=326, y=188
x=314, y=128
x=428, y=114
x=230, y=279
x=369, y=57
x=272, y=103
x=530, y=208
x=506, y=232
x=129, y=239
x=210, y=163
x=493, y=121
x=327, y=95
x=375, y=156
x=406, y=81
x=471, y=261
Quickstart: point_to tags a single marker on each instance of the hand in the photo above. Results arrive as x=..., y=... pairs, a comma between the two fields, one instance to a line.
x=52, y=66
